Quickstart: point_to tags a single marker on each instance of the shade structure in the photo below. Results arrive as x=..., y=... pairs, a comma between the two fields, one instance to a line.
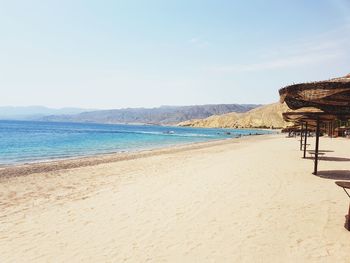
x=297, y=128
x=312, y=117
x=329, y=96
x=294, y=128
x=332, y=97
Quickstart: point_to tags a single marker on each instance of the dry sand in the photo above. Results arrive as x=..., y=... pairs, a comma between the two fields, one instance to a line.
x=247, y=200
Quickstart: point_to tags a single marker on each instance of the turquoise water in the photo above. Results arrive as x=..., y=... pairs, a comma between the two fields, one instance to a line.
x=27, y=141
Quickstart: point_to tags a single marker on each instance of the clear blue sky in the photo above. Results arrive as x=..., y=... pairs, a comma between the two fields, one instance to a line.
x=112, y=54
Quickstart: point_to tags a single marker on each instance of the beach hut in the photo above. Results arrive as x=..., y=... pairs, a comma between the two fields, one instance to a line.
x=342, y=131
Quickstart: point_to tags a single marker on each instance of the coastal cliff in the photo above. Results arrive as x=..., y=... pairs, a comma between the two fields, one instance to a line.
x=267, y=116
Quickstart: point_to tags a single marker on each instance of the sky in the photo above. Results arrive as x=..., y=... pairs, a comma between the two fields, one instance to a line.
x=116, y=54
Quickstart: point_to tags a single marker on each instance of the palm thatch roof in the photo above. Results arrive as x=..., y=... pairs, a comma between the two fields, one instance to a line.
x=311, y=118
x=298, y=128
x=330, y=95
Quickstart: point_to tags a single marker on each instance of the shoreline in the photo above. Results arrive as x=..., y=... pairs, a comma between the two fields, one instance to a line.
x=69, y=151
x=15, y=170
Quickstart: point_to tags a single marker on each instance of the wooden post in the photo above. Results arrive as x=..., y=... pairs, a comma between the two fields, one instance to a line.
x=316, y=146
x=327, y=128
x=301, y=137
x=347, y=222
x=331, y=129
x=305, y=140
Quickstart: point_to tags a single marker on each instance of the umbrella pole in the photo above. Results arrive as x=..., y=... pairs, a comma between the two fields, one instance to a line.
x=331, y=129
x=347, y=222
x=301, y=137
x=316, y=147
x=327, y=128
x=305, y=140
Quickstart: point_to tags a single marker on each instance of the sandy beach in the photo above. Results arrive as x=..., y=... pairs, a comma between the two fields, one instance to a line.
x=241, y=200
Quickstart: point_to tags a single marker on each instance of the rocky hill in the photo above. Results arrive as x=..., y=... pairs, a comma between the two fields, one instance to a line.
x=267, y=116
x=161, y=115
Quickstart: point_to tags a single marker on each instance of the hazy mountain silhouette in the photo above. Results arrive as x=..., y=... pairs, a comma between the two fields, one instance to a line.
x=34, y=112
x=160, y=115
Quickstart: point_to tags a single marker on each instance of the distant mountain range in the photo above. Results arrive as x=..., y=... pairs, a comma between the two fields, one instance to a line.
x=161, y=115
x=34, y=112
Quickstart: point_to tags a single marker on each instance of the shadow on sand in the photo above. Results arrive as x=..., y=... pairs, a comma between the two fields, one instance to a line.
x=330, y=159
x=335, y=174
x=321, y=151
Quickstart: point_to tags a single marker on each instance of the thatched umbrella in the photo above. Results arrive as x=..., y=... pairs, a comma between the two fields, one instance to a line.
x=330, y=95
x=313, y=118
x=331, y=98
x=296, y=117
x=296, y=128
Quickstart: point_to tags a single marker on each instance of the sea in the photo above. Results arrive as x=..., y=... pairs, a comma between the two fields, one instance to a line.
x=33, y=141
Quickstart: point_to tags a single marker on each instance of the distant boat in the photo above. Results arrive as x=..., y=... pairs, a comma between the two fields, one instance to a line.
x=169, y=132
